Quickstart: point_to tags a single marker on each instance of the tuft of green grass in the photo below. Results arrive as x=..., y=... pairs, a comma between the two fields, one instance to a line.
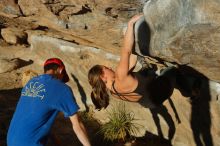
x=121, y=125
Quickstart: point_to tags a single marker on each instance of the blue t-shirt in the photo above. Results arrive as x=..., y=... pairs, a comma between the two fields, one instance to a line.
x=41, y=100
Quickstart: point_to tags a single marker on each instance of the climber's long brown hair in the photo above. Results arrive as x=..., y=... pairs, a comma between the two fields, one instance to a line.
x=99, y=95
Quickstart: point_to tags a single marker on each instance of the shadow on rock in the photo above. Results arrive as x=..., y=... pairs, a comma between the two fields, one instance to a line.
x=200, y=96
x=142, y=38
x=162, y=111
x=151, y=139
x=160, y=89
x=81, y=91
x=22, y=63
x=8, y=102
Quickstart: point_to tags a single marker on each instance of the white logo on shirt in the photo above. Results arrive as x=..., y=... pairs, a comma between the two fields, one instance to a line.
x=35, y=89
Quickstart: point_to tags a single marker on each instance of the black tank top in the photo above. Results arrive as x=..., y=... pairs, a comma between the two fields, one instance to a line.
x=144, y=77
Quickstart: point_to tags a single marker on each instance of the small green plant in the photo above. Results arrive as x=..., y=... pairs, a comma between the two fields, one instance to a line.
x=121, y=124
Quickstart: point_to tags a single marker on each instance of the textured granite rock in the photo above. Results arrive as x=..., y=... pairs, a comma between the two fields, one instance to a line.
x=185, y=32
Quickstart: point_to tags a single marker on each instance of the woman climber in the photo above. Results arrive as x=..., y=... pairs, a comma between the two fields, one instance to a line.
x=142, y=86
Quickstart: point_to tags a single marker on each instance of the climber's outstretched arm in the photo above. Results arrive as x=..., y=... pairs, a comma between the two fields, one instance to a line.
x=125, y=63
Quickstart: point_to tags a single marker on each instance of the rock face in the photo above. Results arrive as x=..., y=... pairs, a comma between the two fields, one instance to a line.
x=98, y=22
x=26, y=76
x=10, y=8
x=14, y=36
x=186, y=32
x=84, y=33
x=8, y=64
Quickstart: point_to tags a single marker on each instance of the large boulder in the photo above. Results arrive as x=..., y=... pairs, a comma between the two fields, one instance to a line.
x=185, y=32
